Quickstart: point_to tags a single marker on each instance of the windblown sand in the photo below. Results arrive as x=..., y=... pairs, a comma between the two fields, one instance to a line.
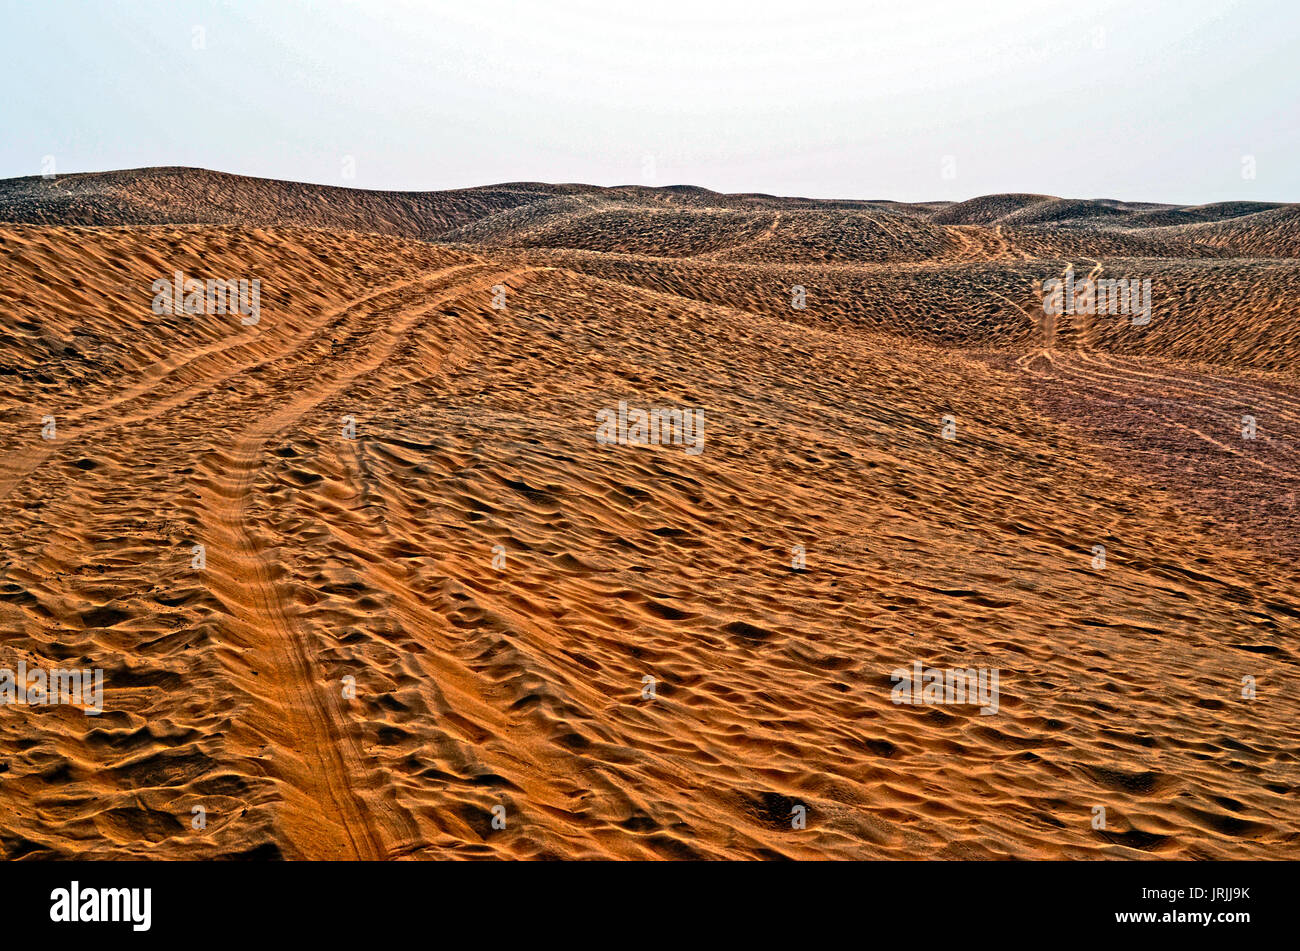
x=475, y=611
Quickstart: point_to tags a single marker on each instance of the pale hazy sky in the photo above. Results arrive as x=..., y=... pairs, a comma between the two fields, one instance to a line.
x=912, y=100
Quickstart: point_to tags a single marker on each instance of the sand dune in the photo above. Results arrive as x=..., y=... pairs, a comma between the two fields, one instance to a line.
x=437, y=617
x=1274, y=232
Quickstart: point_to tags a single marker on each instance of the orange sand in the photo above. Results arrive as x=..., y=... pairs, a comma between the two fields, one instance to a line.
x=513, y=676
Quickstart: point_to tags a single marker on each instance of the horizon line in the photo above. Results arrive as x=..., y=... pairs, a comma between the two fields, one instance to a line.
x=575, y=184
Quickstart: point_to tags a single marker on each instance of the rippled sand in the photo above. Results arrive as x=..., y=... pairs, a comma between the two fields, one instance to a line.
x=431, y=599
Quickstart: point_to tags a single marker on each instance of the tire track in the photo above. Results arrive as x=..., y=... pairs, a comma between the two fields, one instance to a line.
x=18, y=466
x=325, y=814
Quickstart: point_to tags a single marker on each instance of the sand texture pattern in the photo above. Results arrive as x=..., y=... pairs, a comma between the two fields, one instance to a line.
x=436, y=617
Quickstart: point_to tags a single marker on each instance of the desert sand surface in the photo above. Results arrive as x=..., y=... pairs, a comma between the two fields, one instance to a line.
x=437, y=618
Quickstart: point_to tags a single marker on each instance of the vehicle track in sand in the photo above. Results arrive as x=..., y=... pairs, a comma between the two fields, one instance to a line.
x=1182, y=426
x=210, y=366
x=324, y=815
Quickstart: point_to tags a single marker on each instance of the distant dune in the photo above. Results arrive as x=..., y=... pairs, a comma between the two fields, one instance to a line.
x=988, y=210
x=366, y=580
x=1271, y=233
x=196, y=196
